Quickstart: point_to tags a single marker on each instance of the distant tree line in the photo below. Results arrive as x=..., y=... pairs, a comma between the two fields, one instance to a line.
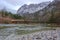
x=9, y=14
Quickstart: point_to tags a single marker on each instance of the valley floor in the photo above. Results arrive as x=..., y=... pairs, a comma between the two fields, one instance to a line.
x=41, y=35
x=29, y=32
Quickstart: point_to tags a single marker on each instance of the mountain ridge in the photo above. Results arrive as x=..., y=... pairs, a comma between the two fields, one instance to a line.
x=32, y=8
x=50, y=13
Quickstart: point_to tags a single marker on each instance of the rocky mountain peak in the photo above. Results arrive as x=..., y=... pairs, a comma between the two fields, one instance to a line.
x=32, y=8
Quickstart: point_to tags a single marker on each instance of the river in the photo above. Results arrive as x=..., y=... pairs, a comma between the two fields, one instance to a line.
x=11, y=29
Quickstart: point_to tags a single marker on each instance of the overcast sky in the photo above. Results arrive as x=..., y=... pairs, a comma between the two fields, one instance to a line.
x=16, y=4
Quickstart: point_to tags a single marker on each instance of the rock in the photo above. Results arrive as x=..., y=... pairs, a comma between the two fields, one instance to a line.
x=42, y=35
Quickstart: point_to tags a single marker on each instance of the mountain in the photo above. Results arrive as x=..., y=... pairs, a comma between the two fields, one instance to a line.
x=43, y=12
x=50, y=13
x=32, y=8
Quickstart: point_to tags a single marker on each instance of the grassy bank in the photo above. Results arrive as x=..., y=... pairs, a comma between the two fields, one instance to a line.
x=3, y=27
x=52, y=25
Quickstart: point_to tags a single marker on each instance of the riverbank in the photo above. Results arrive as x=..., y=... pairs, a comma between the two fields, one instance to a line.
x=41, y=35
x=21, y=31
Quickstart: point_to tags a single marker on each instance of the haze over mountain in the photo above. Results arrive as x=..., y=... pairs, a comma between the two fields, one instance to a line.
x=14, y=5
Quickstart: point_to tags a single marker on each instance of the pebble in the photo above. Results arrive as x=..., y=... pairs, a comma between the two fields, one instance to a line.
x=42, y=35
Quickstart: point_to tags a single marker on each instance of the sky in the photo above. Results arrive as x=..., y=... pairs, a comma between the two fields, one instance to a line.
x=16, y=4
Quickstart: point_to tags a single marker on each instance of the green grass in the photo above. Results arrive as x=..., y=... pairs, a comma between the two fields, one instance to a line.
x=3, y=27
x=52, y=25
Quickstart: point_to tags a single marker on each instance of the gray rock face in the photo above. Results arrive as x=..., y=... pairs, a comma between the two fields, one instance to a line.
x=32, y=8
x=43, y=12
x=51, y=11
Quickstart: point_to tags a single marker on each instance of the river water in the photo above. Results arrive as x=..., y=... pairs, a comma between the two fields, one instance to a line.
x=11, y=29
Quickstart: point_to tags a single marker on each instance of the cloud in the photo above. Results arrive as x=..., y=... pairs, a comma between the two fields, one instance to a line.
x=20, y=2
x=15, y=4
x=8, y=5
